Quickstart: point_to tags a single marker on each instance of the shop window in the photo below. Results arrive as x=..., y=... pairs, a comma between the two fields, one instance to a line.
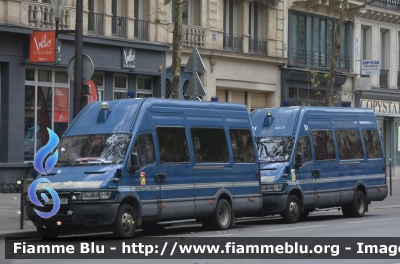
x=46, y=106
x=173, y=145
x=323, y=145
x=144, y=147
x=349, y=144
x=209, y=145
x=242, y=145
x=304, y=148
x=120, y=86
x=144, y=87
x=98, y=79
x=373, y=145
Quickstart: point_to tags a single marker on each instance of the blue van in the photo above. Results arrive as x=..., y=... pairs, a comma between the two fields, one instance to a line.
x=319, y=157
x=134, y=163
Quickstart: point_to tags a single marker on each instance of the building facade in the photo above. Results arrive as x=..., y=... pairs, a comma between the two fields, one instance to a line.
x=37, y=93
x=377, y=38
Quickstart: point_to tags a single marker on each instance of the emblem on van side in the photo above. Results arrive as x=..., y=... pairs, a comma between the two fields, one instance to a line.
x=293, y=174
x=143, y=178
x=305, y=127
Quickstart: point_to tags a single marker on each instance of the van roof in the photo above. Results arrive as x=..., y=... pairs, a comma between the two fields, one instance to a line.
x=121, y=114
x=283, y=119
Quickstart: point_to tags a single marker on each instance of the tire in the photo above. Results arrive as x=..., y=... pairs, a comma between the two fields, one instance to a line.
x=47, y=233
x=346, y=210
x=292, y=210
x=152, y=227
x=357, y=207
x=125, y=222
x=222, y=217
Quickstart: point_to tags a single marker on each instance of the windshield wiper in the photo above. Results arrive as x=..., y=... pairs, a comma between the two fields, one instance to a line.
x=92, y=161
x=66, y=161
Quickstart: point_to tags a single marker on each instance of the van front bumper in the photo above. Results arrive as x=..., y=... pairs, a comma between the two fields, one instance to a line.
x=273, y=203
x=79, y=214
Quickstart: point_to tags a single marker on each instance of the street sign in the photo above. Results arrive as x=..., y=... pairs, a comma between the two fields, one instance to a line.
x=195, y=87
x=195, y=63
x=87, y=68
x=370, y=67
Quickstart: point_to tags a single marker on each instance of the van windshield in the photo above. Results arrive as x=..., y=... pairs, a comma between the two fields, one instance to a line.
x=274, y=149
x=102, y=149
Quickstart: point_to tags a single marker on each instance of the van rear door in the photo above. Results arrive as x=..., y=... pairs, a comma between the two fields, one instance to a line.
x=326, y=163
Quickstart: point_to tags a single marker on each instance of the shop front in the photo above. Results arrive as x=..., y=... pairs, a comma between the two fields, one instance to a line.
x=37, y=93
x=386, y=106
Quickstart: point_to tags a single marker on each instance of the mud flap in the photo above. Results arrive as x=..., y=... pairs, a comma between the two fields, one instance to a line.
x=232, y=219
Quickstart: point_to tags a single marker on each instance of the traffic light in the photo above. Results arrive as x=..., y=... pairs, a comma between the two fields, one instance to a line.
x=86, y=89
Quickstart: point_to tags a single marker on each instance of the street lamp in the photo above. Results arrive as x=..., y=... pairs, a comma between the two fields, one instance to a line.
x=58, y=5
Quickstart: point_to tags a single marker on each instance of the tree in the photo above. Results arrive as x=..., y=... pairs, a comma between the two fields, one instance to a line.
x=178, y=6
x=329, y=99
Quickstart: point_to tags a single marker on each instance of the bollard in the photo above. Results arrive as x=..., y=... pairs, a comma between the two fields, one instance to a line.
x=21, y=218
x=390, y=175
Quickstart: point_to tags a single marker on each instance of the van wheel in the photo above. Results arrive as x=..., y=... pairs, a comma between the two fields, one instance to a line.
x=221, y=219
x=47, y=233
x=357, y=207
x=152, y=227
x=292, y=210
x=125, y=222
x=346, y=210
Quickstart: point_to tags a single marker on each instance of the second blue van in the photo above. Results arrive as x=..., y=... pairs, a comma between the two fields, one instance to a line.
x=319, y=157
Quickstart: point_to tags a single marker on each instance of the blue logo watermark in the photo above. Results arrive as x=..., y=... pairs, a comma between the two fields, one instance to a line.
x=50, y=162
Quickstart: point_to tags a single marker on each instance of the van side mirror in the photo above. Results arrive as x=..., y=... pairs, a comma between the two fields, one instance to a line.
x=134, y=166
x=298, y=160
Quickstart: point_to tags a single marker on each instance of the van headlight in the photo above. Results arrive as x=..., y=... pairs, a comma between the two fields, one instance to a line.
x=272, y=187
x=96, y=195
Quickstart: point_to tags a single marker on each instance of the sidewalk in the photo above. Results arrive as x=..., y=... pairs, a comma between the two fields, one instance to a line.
x=10, y=214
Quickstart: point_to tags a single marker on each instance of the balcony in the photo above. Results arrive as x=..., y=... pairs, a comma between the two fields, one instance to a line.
x=383, y=79
x=258, y=46
x=233, y=42
x=41, y=15
x=318, y=59
x=141, y=29
x=193, y=36
x=389, y=4
x=118, y=26
x=95, y=23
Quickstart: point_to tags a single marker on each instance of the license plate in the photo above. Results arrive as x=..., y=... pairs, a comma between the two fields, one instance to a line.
x=62, y=201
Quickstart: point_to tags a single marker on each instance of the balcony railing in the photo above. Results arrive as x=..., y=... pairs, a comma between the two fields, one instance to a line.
x=390, y=4
x=41, y=15
x=141, y=29
x=318, y=59
x=258, y=46
x=193, y=36
x=95, y=23
x=118, y=25
x=383, y=79
x=233, y=42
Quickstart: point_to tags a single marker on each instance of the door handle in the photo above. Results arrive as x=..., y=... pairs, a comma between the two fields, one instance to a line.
x=161, y=177
x=315, y=173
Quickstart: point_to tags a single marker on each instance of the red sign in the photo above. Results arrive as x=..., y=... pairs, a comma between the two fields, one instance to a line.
x=42, y=46
x=92, y=97
x=61, y=105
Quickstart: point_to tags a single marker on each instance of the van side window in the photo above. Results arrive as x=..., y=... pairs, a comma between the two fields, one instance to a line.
x=372, y=144
x=209, y=145
x=349, y=144
x=173, y=144
x=242, y=145
x=304, y=148
x=323, y=145
x=144, y=147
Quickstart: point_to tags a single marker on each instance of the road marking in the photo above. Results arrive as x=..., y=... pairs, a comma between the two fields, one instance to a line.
x=290, y=228
x=221, y=235
x=371, y=220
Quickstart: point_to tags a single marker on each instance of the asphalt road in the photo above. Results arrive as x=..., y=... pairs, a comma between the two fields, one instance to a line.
x=376, y=223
